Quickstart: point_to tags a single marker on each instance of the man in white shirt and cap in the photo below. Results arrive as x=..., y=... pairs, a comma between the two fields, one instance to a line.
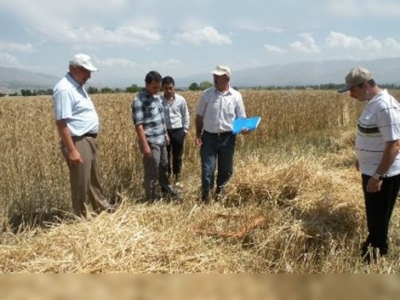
x=78, y=125
x=216, y=110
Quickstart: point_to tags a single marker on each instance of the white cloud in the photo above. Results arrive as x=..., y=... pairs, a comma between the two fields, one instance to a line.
x=274, y=49
x=133, y=36
x=371, y=44
x=167, y=63
x=15, y=47
x=307, y=45
x=391, y=43
x=8, y=60
x=367, y=48
x=200, y=36
x=64, y=13
x=339, y=40
x=115, y=62
x=191, y=23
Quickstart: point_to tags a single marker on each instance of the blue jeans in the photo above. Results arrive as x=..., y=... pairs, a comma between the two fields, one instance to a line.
x=216, y=148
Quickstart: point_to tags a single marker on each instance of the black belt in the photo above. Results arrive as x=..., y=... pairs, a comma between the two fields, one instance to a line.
x=175, y=129
x=92, y=135
x=225, y=133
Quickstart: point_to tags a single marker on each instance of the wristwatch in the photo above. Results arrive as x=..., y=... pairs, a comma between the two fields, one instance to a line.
x=377, y=176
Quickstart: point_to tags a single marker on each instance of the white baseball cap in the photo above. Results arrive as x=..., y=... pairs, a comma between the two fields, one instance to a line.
x=222, y=70
x=84, y=61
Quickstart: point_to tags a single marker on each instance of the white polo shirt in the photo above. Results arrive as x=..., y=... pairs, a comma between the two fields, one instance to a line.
x=379, y=123
x=73, y=104
x=219, y=110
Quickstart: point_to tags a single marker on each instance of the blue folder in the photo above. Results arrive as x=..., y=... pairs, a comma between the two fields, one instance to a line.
x=245, y=123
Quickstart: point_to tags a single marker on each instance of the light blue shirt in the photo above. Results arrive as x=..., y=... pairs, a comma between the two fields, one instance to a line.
x=72, y=103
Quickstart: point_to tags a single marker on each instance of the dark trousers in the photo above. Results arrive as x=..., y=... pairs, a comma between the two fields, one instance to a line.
x=216, y=148
x=155, y=171
x=379, y=208
x=175, y=151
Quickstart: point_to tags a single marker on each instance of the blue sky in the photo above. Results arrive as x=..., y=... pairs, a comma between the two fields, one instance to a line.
x=126, y=39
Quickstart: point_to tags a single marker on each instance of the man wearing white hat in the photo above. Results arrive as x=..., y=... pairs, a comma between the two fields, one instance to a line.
x=377, y=147
x=216, y=110
x=78, y=125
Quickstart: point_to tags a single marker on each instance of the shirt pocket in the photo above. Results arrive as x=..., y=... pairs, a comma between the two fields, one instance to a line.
x=228, y=108
x=151, y=110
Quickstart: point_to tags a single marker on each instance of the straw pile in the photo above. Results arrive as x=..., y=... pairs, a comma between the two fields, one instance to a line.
x=311, y=220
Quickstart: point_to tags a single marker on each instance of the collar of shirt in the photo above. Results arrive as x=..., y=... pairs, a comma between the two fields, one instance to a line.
x=383, y=92
x=167, y=101
x=78, y=87
x=225, y=93
x=146, y=95
x=72, y=81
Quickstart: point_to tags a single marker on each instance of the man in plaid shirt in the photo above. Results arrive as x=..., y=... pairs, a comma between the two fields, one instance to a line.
x=148, y=117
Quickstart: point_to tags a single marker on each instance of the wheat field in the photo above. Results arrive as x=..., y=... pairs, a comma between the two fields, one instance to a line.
x=293, y=205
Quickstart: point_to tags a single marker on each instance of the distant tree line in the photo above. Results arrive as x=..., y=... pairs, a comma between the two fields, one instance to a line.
x=134, y=88
x=27, y=92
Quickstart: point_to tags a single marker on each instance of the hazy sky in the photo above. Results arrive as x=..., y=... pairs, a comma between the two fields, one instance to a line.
x=126, y=39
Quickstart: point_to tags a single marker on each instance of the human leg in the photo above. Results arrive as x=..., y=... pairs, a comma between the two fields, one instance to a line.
x=208, y=154
x=226, y=152
x=150, y=165
x=169, y=157
x=379, y=207
x=177, y=142
x=165, y=185
x=79, y=175
x=96, y=196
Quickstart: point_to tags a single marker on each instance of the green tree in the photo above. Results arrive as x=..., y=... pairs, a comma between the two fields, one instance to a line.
x=92, y=90
x=205, y=85
x=132, y=89
x=194, y=87
x=106, y=90
x=26, y=93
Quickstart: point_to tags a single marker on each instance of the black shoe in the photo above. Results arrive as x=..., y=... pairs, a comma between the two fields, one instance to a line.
x=173, y=195
x=154, y=198
x=111, y=209
x=205, y=199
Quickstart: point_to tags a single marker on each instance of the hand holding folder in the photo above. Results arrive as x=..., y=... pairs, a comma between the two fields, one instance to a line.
x=245, y=124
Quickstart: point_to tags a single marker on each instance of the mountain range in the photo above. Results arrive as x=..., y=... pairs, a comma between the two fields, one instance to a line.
x=13, y=80
x=385, y=71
